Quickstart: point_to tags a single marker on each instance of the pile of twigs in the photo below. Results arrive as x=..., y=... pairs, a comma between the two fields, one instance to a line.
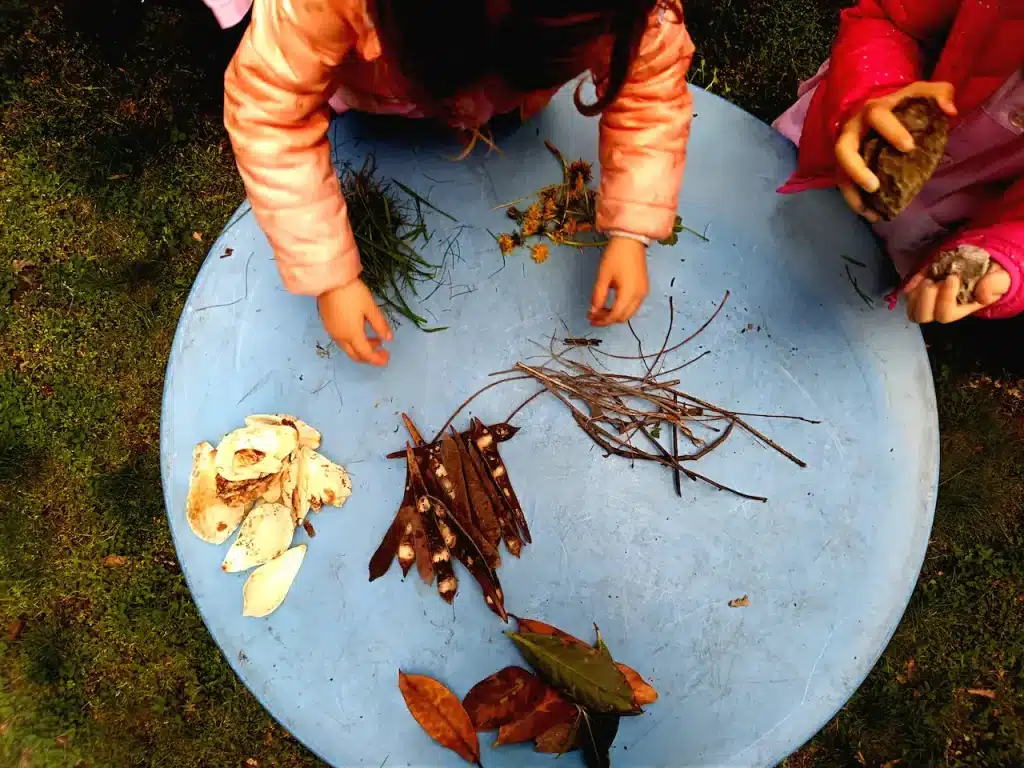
x=615, y=410
x=388, y=224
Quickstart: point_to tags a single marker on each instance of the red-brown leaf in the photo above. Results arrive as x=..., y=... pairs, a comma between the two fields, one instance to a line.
x=552, y=710
x=503, y=697
x=560, y=739
x=440, y=713
x=643, y=692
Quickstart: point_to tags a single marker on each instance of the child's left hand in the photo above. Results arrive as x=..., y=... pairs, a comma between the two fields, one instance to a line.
x=930, y=301
x=624, y=270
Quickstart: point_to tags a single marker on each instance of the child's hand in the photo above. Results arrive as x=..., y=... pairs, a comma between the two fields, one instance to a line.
x=345, y=311
x=853, y=173
x=624, y=270
x=928, y=300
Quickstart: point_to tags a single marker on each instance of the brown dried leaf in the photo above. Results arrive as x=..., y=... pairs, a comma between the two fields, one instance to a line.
x=440, y=713
x=986, y=693
x=560, y=739
x=552, y=710
x=114, y=561
x=643, y=692
x=503, y=697
x=740, y=602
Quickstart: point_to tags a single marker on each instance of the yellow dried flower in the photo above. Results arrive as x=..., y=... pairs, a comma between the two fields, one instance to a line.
x=506, y=243
x=539, y=253
x=532, y=220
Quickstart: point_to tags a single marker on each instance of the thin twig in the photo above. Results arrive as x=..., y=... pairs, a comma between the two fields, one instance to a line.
x=470, y=399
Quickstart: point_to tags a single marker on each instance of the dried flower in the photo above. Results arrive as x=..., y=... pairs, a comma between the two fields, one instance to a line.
x=539, y=253
x=506, y=243
x=532, y=220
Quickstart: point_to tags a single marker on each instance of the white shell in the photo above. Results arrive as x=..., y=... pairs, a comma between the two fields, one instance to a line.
x=328, y=482
x=267, y=586
x=264, y=535
x=308, y=436
x=253, y=452
x=295, y=486
x=209, y=518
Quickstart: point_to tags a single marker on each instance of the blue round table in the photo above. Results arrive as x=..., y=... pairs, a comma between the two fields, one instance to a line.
x=828, y=563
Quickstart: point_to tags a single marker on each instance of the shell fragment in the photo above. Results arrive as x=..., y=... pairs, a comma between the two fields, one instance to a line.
x=267, y=586
x=308, y=437
x=252, y=453
x=265, y=534
x=210, y=518
x=328, y=483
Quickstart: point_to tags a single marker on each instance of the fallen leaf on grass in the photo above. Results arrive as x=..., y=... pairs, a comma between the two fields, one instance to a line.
x=987, y=693
x=15, y=629
x=197, y=237
x=114, y=561
x=741, y=602
x=503, y=697
x=583, y=673
x=552, y=710
x=440, y=713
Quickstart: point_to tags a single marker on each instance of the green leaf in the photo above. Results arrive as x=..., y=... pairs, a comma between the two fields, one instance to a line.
x=584, y=674
x=656, y=431
x=599, y=643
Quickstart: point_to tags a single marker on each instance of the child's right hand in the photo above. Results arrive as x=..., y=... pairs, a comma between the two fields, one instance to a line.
x=853, y=173
x=345, y=312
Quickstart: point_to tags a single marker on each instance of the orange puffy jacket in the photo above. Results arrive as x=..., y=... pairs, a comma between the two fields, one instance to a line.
x=297, y=53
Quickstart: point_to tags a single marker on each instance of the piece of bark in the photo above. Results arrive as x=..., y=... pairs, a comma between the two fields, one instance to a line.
x=902, y=175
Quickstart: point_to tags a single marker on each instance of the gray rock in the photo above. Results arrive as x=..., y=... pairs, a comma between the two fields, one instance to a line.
x=903, y=174
x=969, y=262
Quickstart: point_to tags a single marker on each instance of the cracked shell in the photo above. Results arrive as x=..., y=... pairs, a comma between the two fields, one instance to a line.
x=209, y=518
x=308, y=436
x=254, y=452
x=265, y=534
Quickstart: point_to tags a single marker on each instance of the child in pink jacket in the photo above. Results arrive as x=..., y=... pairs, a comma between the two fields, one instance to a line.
x=969, y=56
x=462, y=61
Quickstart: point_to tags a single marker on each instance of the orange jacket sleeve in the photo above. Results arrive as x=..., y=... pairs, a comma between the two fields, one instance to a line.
x=275, y=109
x=644, y=133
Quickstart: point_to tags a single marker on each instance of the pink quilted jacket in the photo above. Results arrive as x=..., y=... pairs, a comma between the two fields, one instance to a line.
x=296, y=57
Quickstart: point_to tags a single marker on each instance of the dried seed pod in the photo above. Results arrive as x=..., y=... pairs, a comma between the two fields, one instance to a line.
x=486, y=444
x=479, y=491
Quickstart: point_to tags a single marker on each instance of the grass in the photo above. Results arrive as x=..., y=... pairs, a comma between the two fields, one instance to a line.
x=114, y=177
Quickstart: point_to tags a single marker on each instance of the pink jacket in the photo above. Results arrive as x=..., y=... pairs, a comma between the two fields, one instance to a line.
x=977, y=195
x=296, y=57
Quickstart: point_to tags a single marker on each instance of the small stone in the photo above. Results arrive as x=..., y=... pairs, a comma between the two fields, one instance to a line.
x=902, y=175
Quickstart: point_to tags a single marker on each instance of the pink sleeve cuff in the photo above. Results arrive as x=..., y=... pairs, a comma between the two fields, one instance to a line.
x=319, y=277
x=229, y=12
x=1005, y=244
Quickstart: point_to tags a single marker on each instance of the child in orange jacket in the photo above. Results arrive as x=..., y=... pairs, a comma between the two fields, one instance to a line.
x=463, y=61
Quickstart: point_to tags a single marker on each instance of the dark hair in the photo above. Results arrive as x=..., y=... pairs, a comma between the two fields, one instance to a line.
x=444, y=46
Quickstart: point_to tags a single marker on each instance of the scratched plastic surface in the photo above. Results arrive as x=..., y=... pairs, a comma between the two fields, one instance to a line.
x=828, y=563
